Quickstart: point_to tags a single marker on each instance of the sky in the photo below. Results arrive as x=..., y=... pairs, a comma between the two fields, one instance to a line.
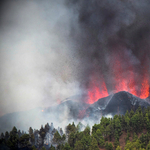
x=54, y=49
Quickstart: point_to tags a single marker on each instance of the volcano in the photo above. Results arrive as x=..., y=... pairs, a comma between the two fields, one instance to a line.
x=74, y=109
x=117, y=103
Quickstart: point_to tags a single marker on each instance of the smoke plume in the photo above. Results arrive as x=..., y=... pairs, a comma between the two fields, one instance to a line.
x=112, y=39
x=54, y=49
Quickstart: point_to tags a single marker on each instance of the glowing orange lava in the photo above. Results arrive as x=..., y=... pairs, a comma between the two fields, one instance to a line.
x=97, y=92
x=144, y=88
x=124, y=77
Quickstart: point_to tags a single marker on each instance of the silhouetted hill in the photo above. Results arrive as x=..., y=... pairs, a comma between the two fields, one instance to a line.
x=73, y=109
x=123, y=101
x=117, y=103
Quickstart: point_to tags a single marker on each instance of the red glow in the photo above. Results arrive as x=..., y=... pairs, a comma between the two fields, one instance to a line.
x=97, y=91
x=145, y=88
x=124, y=78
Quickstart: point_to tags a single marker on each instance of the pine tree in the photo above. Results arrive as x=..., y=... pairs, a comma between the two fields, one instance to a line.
x=13, y=139
x=110, y=146
x=57, y=137
x=2, y=136
x=43, y=148
x=116, y=143
x=47, y=127
x=86, y=131
x=118, y=148
x=6, y=135
x=94, y=145
x=71, y=139
x=24, y=140
x=148, y=146
x=34, y=148
x=131, y=113
x=106, y=145
x=42, y=133
x=86, y=141
x=67, y=147
x=95, y=128
x=100, y=139
x=78, y=145
x=52, y=147
x=32, y=138
x=135, y=137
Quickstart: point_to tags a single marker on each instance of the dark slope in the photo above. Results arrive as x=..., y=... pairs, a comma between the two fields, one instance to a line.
x=118, y=103
x=72, y=109
x=95, y=111
x=123, y=101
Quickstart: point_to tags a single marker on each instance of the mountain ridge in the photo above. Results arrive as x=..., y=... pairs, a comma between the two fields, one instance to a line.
x=73, y=110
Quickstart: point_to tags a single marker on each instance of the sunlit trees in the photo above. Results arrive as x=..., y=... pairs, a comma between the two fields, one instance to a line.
x=118, y=148
x=78, y=145
x=109, y=146
x=99, y=137
x=105, y=134
x=94, y=145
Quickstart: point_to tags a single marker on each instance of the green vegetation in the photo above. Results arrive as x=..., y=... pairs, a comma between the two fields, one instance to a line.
x=129, y=132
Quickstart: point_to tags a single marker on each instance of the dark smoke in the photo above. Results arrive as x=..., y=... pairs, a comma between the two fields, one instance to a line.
x=52, y=49
x=108, y=30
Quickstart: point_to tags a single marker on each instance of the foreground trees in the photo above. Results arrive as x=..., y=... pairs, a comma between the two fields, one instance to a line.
x=105, y=135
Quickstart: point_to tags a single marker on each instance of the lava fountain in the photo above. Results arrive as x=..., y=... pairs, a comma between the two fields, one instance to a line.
x=97, y=89
x=125, y=77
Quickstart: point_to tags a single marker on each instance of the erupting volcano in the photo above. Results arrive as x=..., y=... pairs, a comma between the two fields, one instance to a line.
x=98, y=90
x=124, y=77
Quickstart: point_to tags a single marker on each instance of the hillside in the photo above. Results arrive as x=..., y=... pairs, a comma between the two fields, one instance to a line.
x=122, y=132
x=73, y=109
x=117, y=103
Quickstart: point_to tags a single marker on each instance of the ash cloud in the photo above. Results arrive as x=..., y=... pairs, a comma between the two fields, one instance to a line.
x=49, y=50
x=109, y=31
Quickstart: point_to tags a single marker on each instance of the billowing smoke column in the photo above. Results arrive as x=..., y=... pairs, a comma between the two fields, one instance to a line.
x=51, y=50
x=112, y=39
x=54, y=49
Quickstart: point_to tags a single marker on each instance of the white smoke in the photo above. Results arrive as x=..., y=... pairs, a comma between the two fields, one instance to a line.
x=37, y=65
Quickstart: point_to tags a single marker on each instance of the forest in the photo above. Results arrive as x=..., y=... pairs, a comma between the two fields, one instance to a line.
x=122, y=132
